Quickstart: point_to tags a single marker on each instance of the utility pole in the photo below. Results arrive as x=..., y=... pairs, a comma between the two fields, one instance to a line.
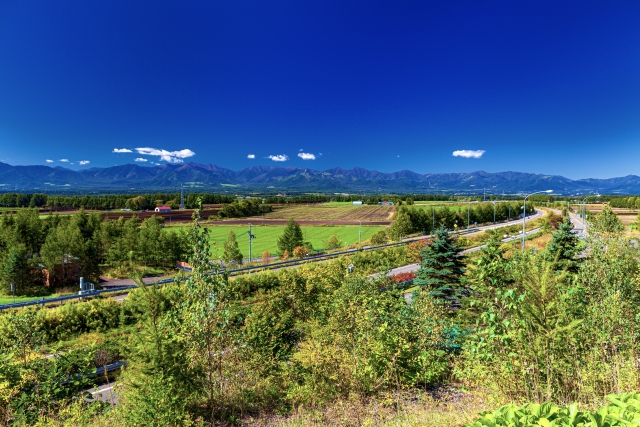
x=360, y=233
x=250, y=243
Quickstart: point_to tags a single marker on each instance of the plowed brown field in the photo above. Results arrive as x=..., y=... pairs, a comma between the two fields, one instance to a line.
x=175, y=216
x=337, y=214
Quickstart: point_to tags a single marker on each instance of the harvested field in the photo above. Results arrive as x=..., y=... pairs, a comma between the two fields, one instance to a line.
x=626, y=215
x=337, y=214
x=258, y=220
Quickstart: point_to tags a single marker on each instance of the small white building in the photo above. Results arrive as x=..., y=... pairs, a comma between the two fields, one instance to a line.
x=358, y=203
x=163, y=209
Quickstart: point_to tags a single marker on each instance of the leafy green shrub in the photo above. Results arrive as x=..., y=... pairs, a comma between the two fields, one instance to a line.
x=624, y=410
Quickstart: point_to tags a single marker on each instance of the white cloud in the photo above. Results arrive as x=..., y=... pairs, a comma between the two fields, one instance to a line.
x=84, y=162
x=469, y=154
x=49, y=161
x=64, y=160
x=398, y=155
x=319, y=154
x=167, y=156
x=307, y=156
x=122, y=150
x=302, y=149
x=140, y=159
x=279, y=158
x=251, y=156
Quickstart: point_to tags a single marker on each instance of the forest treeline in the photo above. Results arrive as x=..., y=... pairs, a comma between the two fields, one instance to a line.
x=111, y=201
x=421, y=220
x=150, y=201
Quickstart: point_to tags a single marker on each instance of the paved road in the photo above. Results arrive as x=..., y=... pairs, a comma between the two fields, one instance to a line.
x=105, y=393
x=575, y=220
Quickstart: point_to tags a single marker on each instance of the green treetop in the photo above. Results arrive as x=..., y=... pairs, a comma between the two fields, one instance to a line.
x=291, y=237
x=563, y=248
x=401, y=227
x=491, y=268
x=442, y=266
x=17, y=269
x=231, y=250
x=607, y=222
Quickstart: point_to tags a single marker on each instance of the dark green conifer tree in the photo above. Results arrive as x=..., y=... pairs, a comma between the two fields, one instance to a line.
x=291, y=237
x=442, y=267
x=563, y=248
x=17, y=269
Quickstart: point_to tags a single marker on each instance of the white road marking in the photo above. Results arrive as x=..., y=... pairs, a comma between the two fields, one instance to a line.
x=109, y=387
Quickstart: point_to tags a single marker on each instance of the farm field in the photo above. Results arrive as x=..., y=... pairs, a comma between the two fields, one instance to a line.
x=626, y=215
x=329, y=212
x=267, y=236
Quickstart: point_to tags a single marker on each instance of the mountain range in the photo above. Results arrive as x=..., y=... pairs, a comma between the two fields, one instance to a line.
x=293, y=179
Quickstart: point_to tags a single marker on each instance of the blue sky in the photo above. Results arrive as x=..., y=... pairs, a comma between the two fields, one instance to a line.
x=545, y=87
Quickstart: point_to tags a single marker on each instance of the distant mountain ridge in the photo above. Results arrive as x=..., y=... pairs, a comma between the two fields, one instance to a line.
x=279, y=179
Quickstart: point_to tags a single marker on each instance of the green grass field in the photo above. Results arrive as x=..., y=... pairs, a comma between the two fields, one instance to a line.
x=9, y=300
x=267, y=236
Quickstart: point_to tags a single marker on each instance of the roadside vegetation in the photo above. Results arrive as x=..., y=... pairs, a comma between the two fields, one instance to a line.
x=318, y=344
x=501, y=338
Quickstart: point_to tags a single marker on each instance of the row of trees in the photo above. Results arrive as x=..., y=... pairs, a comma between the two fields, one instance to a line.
x=410, y=220
x=367, y=199
x=110, y=201
x=630, y=202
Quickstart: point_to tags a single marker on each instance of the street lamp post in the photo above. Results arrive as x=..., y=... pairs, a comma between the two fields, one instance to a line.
x=250, y=244
x=494, y=211
x=469, y=213
x=524, y=214
x=433, y=220
x=584, y=210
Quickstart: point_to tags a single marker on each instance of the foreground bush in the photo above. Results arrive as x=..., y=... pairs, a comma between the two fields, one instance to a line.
x=624, y=410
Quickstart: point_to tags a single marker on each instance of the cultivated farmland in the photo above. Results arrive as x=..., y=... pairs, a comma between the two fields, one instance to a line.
x=333, y=213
